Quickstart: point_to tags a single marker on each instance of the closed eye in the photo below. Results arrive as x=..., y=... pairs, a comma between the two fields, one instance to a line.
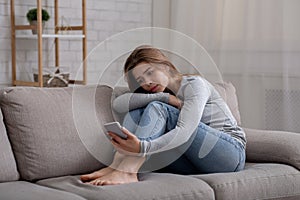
x=149, y=72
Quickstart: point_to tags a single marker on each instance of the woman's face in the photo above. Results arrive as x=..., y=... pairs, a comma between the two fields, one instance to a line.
x=151, y=77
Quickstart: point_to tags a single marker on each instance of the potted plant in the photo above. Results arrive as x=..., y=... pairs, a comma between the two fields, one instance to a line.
x=32, y=18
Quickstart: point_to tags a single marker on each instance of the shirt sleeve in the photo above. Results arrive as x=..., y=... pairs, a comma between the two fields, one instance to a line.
x=195, y=96
x=130, y=101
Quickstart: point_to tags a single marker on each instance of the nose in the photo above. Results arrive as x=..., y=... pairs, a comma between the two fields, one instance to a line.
x=148, y=82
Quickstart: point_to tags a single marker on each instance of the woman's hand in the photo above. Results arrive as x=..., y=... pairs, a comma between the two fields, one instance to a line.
x=174, y=101
x=125, y=146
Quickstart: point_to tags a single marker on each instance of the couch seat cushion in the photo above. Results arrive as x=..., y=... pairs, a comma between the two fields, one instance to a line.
x=256, y=181
x=29, y=191
x=8, y=168
x=151, y=186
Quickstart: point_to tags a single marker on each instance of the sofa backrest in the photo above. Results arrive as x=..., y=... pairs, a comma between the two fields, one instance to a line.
x=228, y=93
x=8, y=168
x=48, y=138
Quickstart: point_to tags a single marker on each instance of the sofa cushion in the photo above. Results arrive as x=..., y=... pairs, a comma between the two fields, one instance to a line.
x=151, y=186
x=29, y=191
x=53, y=136
x=273, y=146
x=228, y=93
x=257, y=181
x=8, y=168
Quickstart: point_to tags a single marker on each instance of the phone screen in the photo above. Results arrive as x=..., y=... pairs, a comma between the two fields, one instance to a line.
x=116, y=128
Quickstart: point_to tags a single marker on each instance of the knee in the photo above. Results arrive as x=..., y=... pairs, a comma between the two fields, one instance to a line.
x=156, y=107
x=156, y=104
x=159, y=106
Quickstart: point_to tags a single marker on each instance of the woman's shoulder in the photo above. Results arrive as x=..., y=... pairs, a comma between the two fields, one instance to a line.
x=194, y=80
x=193, y=85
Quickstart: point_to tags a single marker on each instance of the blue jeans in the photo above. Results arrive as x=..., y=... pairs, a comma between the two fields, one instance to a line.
x=208, y=151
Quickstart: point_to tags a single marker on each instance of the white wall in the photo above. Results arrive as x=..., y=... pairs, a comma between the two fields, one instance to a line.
x=105, y=18
x=255, y=44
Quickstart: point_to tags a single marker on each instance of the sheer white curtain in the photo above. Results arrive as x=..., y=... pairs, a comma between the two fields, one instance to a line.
x=256, y=46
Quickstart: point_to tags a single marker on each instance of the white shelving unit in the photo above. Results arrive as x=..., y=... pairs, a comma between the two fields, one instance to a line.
x=39, y=38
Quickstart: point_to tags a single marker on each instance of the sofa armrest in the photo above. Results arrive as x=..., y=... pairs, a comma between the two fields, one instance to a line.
x=273, y=146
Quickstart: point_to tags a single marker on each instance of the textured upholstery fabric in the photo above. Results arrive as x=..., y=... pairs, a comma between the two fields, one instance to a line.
x=151, y=186
x=273, y=146
x=228, y=93
x=22, y=190
x=41, y=126
x=257, y=181
x=8, y=168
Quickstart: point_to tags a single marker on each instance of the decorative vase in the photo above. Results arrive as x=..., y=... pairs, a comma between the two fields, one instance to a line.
x=34, y=23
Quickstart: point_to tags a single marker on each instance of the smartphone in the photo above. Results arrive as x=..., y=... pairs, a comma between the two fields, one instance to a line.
x=116, y=128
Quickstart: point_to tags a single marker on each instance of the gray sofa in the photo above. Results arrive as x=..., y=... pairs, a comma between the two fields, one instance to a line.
x=42, y=153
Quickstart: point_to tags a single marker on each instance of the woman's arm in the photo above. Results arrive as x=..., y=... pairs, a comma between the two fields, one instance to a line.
x=130, y=101
x=196, y=94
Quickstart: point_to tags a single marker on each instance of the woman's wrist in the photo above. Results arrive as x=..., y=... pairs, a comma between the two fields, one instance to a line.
x=174, y=101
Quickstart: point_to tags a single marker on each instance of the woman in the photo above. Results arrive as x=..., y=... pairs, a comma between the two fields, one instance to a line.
x=170, y=111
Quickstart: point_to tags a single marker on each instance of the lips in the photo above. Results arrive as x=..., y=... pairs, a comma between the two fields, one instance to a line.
x=153, y=89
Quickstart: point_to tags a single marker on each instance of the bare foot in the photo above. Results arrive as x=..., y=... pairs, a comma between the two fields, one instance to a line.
x=115, y=177
x=96, y=174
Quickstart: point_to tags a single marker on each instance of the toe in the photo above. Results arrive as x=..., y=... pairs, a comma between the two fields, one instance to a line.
x=86, y=177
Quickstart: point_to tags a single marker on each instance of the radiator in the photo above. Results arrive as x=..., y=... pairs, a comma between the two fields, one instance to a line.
x=282, y=110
